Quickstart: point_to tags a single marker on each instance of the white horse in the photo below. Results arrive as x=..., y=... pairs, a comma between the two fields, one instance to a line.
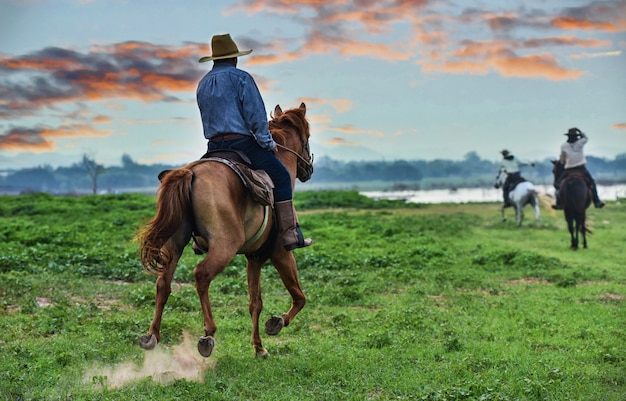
x=521, y=195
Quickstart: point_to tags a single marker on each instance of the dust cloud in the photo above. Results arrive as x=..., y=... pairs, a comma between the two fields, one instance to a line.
x=161, y=364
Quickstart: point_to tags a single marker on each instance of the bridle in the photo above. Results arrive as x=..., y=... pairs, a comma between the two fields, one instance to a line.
x=304, y=166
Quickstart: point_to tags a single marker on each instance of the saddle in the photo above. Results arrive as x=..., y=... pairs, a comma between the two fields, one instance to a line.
x=515, y=182
x=579, y=174
x=258, y=182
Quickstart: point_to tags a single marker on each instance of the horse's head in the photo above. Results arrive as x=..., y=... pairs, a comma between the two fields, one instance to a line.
x=290, y=130
x=557, y=169
x=500, y=178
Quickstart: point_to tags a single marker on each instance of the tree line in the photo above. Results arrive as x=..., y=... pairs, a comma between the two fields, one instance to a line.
x=87, y=176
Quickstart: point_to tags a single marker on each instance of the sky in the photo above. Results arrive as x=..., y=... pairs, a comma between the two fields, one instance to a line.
x=382, y=80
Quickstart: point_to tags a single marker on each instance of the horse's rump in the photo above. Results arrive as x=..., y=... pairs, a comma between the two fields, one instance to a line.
x=574, y=193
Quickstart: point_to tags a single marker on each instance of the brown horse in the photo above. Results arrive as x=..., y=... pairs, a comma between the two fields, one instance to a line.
x=575, y=196
x=208, y=199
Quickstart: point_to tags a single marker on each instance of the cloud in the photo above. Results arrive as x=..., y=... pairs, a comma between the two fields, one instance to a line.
x=41, y=139
x=621, y=126
x=358, y=28
x=352, y=130
x=595, y=55
x=130, y=70
x=339, y=105
x=100, y=119
x=340, y=142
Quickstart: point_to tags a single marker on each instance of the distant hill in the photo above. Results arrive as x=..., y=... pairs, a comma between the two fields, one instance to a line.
x=329, y=173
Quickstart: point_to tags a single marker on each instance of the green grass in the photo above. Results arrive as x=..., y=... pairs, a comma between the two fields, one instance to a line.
x=427, y=302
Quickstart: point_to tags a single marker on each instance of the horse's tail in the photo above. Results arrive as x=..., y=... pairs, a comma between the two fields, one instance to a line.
x=173, y=209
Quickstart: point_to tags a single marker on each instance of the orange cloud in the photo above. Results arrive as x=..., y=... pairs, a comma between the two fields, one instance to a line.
x=352, y=130
x=572, y=23
x=129, y=70
x=533, y=66
x=41, y=139
x=100, y=119
x=339, y=142
x=621, y=126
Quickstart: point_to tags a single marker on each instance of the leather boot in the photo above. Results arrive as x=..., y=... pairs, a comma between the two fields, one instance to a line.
x=558, y=202
x=288, y=227
x=596, y=200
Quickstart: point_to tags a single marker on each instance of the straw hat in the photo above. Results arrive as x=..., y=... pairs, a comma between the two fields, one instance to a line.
x=223, y=46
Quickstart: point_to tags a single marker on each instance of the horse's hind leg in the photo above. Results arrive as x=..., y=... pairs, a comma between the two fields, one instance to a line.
x=256, y=305
x=285, y=264
x=502, y=212
x=163, y=291
x=536, y=207
x=213, y=264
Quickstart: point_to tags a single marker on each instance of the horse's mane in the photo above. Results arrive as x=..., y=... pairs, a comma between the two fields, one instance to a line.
x=293, y=119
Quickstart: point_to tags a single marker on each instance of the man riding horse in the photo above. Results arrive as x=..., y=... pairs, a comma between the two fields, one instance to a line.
x=511, y=165
x=573, y=158
x=234, y=117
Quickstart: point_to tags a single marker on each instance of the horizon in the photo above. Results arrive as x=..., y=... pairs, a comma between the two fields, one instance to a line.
x=390, y=80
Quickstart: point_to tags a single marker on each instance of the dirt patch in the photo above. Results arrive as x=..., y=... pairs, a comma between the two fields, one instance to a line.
x=161, y=364
x=608, y=296
x=529, y=280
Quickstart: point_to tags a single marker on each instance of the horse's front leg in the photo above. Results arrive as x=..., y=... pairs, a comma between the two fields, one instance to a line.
x=502, y=212
x=255, y=306
x=285, y=264
x=519, y=215
x=204, y=273
x=163, y=291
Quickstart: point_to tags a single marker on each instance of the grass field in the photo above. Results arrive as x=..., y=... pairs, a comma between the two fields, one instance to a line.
x=420, y=302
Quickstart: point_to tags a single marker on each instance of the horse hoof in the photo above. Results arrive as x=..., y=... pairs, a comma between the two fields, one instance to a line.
x=274, y=325
x=148, y=341
x=205, y=346
x=262, y=353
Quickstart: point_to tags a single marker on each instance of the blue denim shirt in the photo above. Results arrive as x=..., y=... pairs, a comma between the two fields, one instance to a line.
x=230, y=102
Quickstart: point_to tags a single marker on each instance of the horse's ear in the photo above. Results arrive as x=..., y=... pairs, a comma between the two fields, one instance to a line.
x=303, y=107
x=553, y=161
x=278, y=111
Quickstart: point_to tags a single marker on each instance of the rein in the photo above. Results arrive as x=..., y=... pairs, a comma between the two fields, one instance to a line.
x=307, y=169
x=302, y=159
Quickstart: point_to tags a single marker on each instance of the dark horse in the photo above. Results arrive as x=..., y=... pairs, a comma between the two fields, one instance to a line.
x=208, y=199
x=575, y=196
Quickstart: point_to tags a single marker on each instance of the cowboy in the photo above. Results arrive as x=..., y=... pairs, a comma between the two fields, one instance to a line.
x=573, y=158
x=510, y=165
x=234, y=117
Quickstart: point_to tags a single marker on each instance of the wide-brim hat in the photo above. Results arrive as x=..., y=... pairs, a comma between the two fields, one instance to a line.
x=223, y=46
x=573, y=132
x=505, y=152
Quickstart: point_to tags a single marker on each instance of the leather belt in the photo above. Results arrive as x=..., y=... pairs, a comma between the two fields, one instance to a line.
x=227, y=137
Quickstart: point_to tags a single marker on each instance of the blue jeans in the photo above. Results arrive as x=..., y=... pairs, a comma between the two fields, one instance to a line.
x=261, y=159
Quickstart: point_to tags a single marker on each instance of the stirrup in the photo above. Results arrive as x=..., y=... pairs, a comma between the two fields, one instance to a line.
x=302, y=242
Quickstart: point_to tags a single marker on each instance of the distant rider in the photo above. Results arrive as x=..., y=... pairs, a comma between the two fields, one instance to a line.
x=574, y=159
x=510, y=164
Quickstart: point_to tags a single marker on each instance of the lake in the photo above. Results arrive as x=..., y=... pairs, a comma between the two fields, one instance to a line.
x=467, y=195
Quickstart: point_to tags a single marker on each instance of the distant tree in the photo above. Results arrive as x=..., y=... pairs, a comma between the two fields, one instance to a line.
x=93, y=170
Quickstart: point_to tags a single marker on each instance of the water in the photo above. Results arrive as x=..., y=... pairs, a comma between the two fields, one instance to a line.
x=467, y=195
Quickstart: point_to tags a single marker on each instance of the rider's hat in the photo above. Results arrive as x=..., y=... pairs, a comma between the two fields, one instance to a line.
x=573, y=132
x=505, y=152
x=223, y=46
